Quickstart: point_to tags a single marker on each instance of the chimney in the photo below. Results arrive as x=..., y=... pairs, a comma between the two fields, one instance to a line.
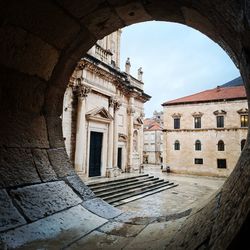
x=127, y=66
x=140, y=73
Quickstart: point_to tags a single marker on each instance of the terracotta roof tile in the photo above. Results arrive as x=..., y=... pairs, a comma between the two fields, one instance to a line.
x=152, y=126
x=215, y=94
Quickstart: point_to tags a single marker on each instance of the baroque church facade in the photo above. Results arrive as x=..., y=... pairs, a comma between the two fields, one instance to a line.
x=205, y=133
x=103, y=113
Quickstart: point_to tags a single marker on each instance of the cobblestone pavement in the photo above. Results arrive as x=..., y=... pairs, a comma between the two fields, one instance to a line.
x=151, y=222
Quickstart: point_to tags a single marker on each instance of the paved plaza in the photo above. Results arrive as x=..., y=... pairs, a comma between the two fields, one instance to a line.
x=151, y=222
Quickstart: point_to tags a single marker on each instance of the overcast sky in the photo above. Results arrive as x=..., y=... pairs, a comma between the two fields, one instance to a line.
x=176, y=60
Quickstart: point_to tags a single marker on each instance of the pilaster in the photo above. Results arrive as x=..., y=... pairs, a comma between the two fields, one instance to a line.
x=81, y=91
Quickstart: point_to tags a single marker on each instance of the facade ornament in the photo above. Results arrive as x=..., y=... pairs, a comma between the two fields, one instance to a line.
x=127, y=66
x=114, y=102
x=243, y=111
x=117, y=104
x=122, y=137
x=111, y=102
x=142, y=115
x=197, y=114
x=81, y=90
x=220, y=112
x=130, y=110
x=140, y=73
x=176, y=115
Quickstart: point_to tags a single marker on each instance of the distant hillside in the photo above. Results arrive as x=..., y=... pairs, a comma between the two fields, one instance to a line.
x=235, y=82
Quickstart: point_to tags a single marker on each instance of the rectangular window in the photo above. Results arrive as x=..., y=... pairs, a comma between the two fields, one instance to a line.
x=220, y=121
x=221, y=163
x=197, y=122
x=176, y=123
x=198, y=161
x=244, y=121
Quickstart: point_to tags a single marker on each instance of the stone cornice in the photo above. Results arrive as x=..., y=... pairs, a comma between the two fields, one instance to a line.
x=204, y=129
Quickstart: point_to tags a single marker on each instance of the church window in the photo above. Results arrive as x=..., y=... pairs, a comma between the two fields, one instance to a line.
x=177, y=145
x=244, y=121
x=221, y=146
x=197, y=122
x=176, y=123
x=198, y=145
x=220, y=121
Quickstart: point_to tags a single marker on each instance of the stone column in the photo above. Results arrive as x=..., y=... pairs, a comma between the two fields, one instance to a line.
x=117, y=105
x=80, y=152
x=109, y=170
x=130, y=112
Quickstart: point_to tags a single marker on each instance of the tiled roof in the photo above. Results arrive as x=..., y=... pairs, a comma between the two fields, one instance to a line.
x=151, y=125
x=216, y=94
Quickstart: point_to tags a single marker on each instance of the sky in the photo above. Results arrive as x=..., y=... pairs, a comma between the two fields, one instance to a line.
x=176, y=60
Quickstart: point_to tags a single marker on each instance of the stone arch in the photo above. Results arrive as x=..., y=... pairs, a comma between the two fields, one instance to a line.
x=40, y=44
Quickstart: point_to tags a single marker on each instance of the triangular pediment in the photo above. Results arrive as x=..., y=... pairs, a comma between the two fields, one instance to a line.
x=138, y=121
x=99, y=114
x=243, y=111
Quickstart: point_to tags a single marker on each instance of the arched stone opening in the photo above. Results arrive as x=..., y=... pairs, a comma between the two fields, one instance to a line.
x=40, y=44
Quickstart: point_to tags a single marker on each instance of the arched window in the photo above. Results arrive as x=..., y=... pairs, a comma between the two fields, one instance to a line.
x=176, y=145
x=198, y=145
x=242, y=144
x=221, y=145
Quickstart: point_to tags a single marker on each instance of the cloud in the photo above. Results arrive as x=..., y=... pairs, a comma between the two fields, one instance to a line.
x=177, y=60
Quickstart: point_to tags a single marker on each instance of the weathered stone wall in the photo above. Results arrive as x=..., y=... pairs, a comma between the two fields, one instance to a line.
x=182, y=161
x=41, y=41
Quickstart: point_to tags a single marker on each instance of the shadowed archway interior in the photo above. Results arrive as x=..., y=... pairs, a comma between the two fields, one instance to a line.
x=40, y=44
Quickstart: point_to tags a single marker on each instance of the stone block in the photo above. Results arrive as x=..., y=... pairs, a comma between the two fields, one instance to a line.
x=30, y=89
x=98, y=240
x=101, y=208
x=156, y=235
x=54, y=232
x=80, y=8
x=102, y=22
x=135, y=218
x=9, y=215
x=17, y=167
x=50, y=23
x=77, y=184
x=164, y=10
x=132, y=13
x=43, y=166
x=60, y=162
x=26, y=53
x=54, y=126
x=121, y=229
x=39, y=201
x=23, y=130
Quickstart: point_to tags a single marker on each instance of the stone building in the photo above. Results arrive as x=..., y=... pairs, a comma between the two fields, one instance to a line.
x=103, y=113
x=153, y=141
x=204, y=133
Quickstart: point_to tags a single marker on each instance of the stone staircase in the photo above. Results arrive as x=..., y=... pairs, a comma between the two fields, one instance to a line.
x=124, y=190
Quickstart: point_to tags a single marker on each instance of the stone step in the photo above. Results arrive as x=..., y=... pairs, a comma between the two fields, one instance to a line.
x=125, y=188
x=124, y=184
x=133, y=178
x=117, y=197
x=140, y=196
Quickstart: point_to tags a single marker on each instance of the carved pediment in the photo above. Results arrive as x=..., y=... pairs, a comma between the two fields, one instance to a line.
x=176, y=115
x=99, y=114
x=197, y=114
x=138, y=121
x=220, y=112
x=243, y=111
x=122, y=137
